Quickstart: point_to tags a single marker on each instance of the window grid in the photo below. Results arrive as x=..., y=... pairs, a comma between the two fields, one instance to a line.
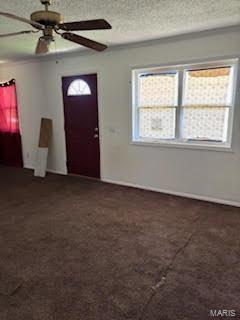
x=207, y=97
x=181, y=76
x=78, y=87
x=157, y=101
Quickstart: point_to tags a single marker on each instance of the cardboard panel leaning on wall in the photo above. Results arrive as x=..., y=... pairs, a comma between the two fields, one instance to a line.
x=43, y=146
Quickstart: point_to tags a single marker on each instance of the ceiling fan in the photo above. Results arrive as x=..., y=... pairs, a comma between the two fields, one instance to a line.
x=50, y=22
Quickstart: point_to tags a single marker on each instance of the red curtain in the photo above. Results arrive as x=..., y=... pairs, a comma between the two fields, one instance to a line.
x=10, y=138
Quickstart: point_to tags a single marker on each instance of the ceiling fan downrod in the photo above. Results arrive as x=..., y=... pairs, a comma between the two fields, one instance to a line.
x=46, y=3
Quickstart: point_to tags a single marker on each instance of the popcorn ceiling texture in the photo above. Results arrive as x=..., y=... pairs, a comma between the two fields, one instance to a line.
x=132, y=20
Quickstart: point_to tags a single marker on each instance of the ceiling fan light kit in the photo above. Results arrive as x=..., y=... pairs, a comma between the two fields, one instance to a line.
x=48, y=22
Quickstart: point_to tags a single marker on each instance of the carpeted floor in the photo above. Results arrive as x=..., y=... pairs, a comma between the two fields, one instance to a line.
x=75, y=249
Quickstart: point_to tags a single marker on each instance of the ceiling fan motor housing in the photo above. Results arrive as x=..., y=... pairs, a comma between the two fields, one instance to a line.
x=47, y=18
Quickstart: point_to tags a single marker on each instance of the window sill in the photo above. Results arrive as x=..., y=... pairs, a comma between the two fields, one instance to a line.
x=183, y=145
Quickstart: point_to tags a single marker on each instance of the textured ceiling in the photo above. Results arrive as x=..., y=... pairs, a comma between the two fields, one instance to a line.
x=132, y=20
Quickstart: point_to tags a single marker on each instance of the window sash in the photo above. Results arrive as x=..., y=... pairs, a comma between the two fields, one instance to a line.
x=209, y=106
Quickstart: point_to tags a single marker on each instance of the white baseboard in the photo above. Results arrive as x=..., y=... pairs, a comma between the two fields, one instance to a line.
x=175, y=193
x=48, y=170
x=56, y=172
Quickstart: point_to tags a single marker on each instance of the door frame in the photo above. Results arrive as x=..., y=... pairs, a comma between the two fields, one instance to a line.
x=99, y=96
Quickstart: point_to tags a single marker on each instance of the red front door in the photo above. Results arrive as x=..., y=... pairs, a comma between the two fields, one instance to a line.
x=81, y=125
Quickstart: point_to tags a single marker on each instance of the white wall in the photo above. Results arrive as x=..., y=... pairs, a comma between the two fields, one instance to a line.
x=198, y=172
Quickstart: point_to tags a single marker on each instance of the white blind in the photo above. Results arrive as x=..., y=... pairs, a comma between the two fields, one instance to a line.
x=209, y=87
x=207, y=97
x=158, y=90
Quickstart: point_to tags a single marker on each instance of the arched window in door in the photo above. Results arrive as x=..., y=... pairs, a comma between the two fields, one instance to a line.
x=78, y=87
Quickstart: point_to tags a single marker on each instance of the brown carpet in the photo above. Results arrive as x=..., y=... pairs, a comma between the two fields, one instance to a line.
x=75, y=249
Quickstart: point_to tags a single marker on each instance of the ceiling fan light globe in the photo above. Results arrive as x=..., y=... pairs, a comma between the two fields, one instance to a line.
x=43, y=45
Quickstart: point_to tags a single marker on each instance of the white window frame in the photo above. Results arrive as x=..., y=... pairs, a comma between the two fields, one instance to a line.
x=178, y=141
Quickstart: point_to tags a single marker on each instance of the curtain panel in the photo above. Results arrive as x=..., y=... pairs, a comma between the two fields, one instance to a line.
x=10, y=137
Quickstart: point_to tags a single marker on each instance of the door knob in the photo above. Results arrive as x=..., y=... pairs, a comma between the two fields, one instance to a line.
x=95, y=136
x=96, y=129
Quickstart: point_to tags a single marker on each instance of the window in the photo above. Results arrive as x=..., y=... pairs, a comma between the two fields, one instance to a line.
x=9, y=122
x=184, y=104
x=157, y=105
x=78, y=87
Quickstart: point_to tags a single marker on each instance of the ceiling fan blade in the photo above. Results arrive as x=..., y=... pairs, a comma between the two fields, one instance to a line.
x=42, y=46
x=98, y=24
x=16, y=33
x=84, y=41
x=12, y=16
